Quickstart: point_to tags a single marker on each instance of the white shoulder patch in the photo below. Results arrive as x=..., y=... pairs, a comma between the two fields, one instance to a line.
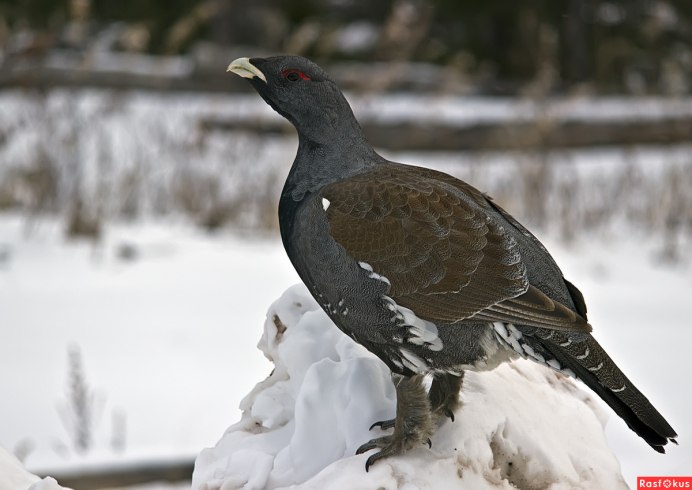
x=325, y=203
x=422, y=331
x=365, y=266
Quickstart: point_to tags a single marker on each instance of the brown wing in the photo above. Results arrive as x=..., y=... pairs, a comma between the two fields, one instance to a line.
x=433, y=240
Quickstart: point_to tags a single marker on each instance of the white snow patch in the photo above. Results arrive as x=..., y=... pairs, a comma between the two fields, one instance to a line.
x=462, y=111
x=301, y=426
x=357, y=37
x=158, y=335
x=13, y=476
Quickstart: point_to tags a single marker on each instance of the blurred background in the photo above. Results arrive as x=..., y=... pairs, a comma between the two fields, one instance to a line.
x=139, y=243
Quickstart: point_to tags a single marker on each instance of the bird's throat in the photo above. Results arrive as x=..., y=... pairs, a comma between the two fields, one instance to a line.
x=319, y=164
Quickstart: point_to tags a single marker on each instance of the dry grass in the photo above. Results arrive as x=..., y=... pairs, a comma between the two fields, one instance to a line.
x=84, y=163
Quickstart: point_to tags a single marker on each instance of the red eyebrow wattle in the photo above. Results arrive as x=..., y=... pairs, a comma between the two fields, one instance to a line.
x=302, y=75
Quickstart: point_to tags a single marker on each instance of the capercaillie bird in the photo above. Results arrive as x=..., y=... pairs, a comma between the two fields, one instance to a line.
x=422, y=269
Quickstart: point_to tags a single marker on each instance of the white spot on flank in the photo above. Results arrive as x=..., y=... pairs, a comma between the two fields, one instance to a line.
x=533, y=354
x=514, y=332
x=584, y=355
x=412, y=361
x=597, y=368
x=565, y=344
x=619, y=389
x=500, y=329
x=554, y=364
x=510, y=335
x=325, y=203
x=422, y=331
x=373, y=275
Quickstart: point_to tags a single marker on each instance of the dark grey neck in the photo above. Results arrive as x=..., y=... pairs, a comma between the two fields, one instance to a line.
x=332, y=151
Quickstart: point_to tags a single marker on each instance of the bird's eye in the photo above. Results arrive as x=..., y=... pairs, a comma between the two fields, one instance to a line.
x=294, y=75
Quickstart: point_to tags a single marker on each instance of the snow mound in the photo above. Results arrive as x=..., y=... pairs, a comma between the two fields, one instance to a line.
x=521, y=425
x=13, y=476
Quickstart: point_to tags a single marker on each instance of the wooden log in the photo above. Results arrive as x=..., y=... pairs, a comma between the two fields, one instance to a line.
x=117, y=476
x=409, y=136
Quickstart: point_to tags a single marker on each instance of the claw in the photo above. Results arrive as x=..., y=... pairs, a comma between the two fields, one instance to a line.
x=369, y=463
x=374, y=459
x=371, y=460
x=385, y=446
x=413, y=424
x=444, y=395
x=381, y=442
x=383, y=424
x=365, y=448
x=373, y=443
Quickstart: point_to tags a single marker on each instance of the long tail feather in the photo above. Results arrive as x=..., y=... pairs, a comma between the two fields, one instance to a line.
x=582, y=354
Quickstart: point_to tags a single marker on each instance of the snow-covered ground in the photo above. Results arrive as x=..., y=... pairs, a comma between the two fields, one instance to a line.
x=168, y=336
x=13, y=476
x=301, y=426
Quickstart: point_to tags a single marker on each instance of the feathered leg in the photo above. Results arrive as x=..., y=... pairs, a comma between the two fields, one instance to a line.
x=444, y=395
x=413, y=424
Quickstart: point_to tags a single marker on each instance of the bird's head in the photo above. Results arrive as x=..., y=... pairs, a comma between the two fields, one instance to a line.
x=302, y=92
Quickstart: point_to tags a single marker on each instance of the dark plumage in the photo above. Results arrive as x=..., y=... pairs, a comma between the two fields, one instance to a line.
x=424, y=270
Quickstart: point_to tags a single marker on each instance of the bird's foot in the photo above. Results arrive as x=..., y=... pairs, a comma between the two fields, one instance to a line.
x=391, y=446
x=444, y=395
x=413, y=425
x=446, y=413
x=384, y=424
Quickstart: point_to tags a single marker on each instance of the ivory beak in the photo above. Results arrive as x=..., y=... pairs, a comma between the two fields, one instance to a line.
x=242, y=67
